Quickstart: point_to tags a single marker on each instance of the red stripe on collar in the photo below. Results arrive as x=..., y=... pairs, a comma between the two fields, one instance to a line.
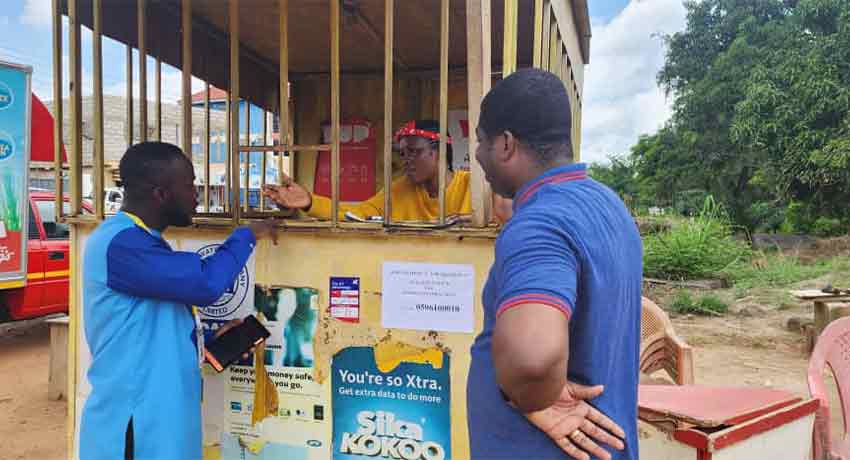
x=556, y=179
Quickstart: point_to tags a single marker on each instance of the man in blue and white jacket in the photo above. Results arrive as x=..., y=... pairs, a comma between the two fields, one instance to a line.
x=140, y=325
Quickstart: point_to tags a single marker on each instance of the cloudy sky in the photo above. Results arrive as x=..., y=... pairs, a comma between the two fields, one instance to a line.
x=621, y=99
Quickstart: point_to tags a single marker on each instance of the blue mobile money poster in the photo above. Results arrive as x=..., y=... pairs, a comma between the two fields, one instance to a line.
x=403, y=413
x=14, y=161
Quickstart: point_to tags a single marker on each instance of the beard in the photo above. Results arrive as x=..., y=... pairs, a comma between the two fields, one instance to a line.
x=178, y=217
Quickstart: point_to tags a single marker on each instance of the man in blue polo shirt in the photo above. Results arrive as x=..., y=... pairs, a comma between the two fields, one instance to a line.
x=562, y=302
x=140, y=326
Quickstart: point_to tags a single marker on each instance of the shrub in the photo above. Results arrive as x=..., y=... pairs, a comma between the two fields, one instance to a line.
x=696, y=248
x=825, y=227
x=684, y=303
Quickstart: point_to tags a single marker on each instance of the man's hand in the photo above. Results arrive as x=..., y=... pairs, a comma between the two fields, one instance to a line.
x=265, y=229
x=289, y=195
x=574, y=424
x=228, y=326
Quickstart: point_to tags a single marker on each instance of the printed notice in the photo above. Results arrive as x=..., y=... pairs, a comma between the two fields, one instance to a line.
x=428, y=297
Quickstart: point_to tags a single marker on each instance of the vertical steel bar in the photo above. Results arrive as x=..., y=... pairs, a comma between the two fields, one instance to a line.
x=283, y=117
x=546, y=35
x=129, y=97
x=76, y=159
x=538, y=32
x=478, y=19
x=247, y=163
x=335, y=111
x=389, y=36
x=227, y=160
x=264, y=160
x=509, y=38
x=158, y=107
x=233, y=18
x=141, y=17
x=57, y=107
x=186, y=21
x=97, y=64
x=444, y=104
x=207, y=135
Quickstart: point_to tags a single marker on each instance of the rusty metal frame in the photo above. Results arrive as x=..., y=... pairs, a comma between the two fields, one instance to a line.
x=546, y=39
x=97, y=64
x=141, y=17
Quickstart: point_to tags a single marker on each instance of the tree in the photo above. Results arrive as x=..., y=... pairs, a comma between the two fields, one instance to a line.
x=761, y=117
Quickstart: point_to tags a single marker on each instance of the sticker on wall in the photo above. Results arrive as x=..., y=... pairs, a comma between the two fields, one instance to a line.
x=390, y=399
x=345, y=299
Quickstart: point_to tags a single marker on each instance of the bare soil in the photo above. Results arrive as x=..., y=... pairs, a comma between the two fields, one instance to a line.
x=748, y=346
x=31, y=426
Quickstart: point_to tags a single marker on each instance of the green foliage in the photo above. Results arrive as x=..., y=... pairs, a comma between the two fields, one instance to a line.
x=700, y=247
x=619, y=175
x=827, y=227
x=798, y=219
x=767, y=216
x=761, y=111
x=690, y=202
x=684, y=303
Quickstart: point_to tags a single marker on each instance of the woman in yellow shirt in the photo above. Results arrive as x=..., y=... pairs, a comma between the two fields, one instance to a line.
x=414, y=195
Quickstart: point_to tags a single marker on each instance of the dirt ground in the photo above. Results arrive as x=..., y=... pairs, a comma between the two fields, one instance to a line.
x=748, y=346
x=31, y=426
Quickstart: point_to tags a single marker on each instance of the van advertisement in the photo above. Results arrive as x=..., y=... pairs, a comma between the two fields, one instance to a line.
x=14, y=153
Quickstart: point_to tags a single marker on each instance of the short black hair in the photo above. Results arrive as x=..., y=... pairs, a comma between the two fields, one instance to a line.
x=533, y=105
x=148, y=163
x=434, y=127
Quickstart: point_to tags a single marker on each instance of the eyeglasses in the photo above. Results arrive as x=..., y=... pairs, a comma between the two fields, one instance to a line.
x=410, y=153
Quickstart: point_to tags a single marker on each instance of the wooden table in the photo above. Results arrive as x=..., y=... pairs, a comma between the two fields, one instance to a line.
x=57, y=384
x=693, y=422
x=827, y=308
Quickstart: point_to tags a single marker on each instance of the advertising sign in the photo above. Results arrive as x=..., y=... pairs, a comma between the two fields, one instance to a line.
x=15, y=106
x=298, y=428
x=356, y=158
x=393, y=409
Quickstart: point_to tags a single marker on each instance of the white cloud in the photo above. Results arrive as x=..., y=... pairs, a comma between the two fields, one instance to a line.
x=42, y=84
x=37, y=12
x=621, y=97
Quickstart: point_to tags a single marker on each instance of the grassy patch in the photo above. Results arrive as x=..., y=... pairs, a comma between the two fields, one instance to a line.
x=685, y=303
x=701, y=247
x=776, y=270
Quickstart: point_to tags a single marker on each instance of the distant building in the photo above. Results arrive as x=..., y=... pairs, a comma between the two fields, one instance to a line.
x=115, y=142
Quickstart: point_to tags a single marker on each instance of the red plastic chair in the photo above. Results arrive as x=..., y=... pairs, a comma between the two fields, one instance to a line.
x=833, y=350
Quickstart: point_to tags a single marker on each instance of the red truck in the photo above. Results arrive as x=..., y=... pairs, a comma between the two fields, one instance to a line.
x=46, y=288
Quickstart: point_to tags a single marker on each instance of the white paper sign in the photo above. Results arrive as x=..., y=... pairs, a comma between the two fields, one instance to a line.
x=428, y=297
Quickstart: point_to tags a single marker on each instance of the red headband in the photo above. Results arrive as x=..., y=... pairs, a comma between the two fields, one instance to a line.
x=409, y=129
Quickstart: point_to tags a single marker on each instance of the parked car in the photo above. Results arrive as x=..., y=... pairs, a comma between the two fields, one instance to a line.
x=46, y=289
